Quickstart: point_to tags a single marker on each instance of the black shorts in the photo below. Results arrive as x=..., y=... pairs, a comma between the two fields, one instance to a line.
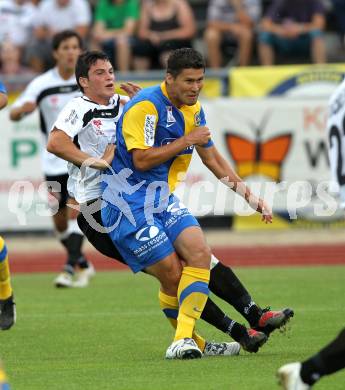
x=98, y=238
x=57, y=187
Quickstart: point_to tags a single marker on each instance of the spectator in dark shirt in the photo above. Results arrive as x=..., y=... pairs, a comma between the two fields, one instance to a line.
x=164, y=25
x=293, y=27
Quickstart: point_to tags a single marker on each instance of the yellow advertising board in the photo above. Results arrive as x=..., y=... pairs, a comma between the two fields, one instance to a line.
x=288, y=80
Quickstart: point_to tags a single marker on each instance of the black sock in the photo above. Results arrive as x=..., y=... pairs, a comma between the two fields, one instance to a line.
x=69, y=269
x=226, y=285
x=213, y=315
x=83, y=263
x=73, y=244
x=329, y=360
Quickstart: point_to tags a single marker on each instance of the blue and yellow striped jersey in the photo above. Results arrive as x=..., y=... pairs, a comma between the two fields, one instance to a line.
x=151, y=120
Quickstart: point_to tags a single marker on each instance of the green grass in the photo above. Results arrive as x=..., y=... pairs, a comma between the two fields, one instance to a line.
x=113, y=336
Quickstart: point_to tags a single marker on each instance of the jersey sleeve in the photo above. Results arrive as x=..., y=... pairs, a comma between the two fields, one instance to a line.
x=203, y=123
x=124, y=99
x=139, y=126
x=70, y=119
x=2, y=88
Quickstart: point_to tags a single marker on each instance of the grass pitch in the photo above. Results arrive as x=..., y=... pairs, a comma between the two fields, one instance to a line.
x=112, y=335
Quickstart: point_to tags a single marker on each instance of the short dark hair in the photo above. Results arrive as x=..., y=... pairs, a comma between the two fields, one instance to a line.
x=63, y=36
x=185, y=58
x=84, y=63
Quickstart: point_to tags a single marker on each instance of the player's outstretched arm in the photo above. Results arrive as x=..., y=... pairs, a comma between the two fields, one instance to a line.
x=221, y=168
x=17, y=113
x=3, y=100
x=60, y=144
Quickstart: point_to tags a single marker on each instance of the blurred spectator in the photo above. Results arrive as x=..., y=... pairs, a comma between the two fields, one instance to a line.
x=229, y=20
x=115, y=24
x=293, y=27
x=164, y=25
x=54, y=16
x=16, y=21
x=339, y=13
x=10, y=60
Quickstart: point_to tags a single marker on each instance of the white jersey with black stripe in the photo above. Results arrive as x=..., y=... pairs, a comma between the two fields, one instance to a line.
x=51, y=93
x=92, y=127
x=336, y=138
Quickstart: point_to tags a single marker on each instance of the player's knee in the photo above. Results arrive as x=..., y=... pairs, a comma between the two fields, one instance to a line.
x=212, y=36
x=201, y=257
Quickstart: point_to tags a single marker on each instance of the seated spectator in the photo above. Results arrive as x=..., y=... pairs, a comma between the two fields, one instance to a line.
x=115, y=24
x=164, y=25
x=293, y=27
x=54, y=16
x=231, y=20
x=17, y=18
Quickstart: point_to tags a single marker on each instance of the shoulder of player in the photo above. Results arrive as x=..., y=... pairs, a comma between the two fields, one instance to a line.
x=48, y=80
x=122, y=98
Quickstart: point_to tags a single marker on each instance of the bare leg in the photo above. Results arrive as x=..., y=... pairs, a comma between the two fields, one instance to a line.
x=123, y=56
x=213, y=38
x=266, y=54
x=318, y=50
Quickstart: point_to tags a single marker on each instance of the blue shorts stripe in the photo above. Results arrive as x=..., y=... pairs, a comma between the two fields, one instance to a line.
x=3, y=253
x=200, y=287
x=171, y=313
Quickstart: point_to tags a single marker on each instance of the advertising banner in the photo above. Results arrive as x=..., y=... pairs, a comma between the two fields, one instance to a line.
x=23, y=197
x=279, y=147
x=289, y=80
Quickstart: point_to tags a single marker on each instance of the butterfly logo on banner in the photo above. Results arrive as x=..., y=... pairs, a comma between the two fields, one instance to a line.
x=258, y=156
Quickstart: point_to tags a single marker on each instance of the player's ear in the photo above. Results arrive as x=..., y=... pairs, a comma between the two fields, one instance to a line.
x=169, y=78
x=84, y=82
x=55, y=55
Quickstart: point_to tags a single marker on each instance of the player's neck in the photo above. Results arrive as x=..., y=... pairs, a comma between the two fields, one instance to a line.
x=65, y=73
x=176, y=102
x=101, y=100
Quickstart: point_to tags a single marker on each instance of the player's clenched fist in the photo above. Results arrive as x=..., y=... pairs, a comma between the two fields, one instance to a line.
x=199, y=136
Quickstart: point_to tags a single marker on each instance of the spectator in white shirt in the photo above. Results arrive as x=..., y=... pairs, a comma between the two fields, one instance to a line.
x=54, y=16
x=16, y=23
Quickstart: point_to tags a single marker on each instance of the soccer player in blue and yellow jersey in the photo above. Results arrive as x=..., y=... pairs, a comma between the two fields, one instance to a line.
x=7, y=306
x=156, y=136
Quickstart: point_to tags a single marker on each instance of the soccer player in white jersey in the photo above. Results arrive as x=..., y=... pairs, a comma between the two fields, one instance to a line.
x=50, y=92
x=336, y=136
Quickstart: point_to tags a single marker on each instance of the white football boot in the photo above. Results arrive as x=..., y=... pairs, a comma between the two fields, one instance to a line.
x=183, y=349
x=64, y=280
x=290, y=378
x=221, y=349
x=84, y=275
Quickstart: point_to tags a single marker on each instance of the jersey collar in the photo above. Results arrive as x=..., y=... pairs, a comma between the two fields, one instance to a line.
x=164, y=90
x=112, y=100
